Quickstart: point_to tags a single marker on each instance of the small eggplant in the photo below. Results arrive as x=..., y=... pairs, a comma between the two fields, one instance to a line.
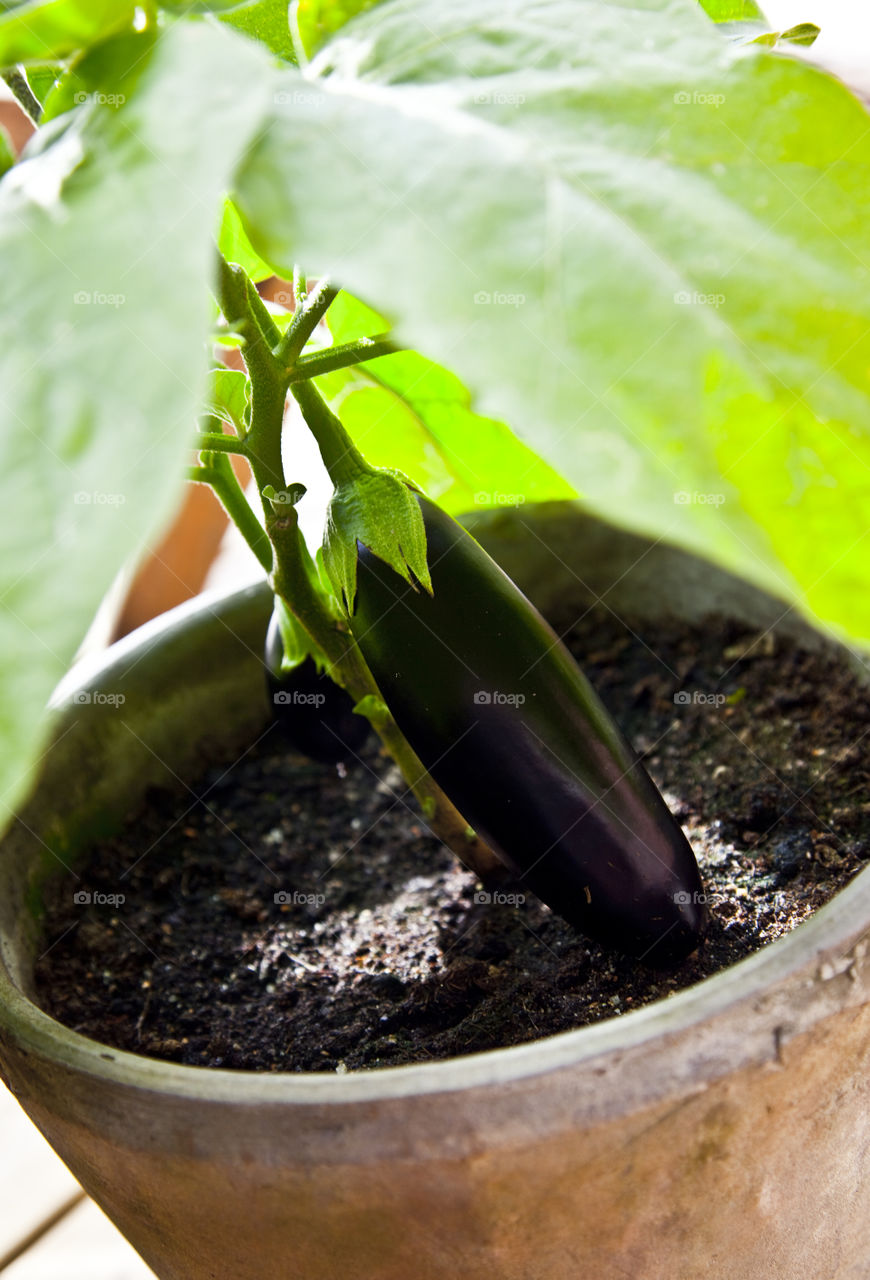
x=508, y=725
x=315, y=714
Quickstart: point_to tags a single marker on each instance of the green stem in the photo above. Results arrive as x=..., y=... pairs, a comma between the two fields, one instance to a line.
x=293, y=581
x=293, y=575
x=342, y=357
x=217, y=471
x=341, y=457
x=27, y=99
x=262, y=315
x=300, y=288
x=244, y=309
x=305, y=320
x=218, y=442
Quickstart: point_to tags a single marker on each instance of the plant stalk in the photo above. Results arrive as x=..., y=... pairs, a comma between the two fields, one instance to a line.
x=292, y=573
x=344, y=356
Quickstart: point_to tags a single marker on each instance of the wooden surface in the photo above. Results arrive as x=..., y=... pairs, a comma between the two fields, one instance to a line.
x=49, y=1228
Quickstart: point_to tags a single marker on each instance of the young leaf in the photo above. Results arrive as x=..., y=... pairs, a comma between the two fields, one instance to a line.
x=227, y=397
x=101, y=366
x=610, y=227
x=804, y=35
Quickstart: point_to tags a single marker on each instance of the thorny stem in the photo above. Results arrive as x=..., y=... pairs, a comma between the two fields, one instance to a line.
x=305, y=320
x=218, y=473
x=217, y=442
x=340, y=455
x=26, y=98
x=341, y=357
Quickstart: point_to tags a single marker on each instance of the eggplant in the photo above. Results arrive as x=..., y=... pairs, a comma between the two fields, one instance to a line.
x=315, y=714
x=510, y=728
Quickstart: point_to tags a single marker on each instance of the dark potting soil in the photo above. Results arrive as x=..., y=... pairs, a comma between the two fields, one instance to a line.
x=296, y=917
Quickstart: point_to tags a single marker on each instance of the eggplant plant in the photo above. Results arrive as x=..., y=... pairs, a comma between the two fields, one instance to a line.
x=533, y=251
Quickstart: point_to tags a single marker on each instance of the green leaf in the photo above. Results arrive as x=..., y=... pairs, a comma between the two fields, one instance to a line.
x=373, y=708
x=649, y=252
x=227, y=396
x=407, y=412
x=268, y=22
x=192, y=7
x=731, y=10
x=281, y=499
x=104, y=75
x=379, y=510
x=7, y=155
x=235, y=246
x=317, y=20
x=296, y=643
x=804, y=34
x=105, y=256
x=42, y=80
x=47, y=30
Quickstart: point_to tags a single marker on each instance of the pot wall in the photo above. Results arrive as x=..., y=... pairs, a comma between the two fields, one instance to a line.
x=723, y=1131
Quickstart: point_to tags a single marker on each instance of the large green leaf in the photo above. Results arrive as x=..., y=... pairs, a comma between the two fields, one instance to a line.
x=644, y=249
x=405, y=411
x=105, y=256
x=45, y=30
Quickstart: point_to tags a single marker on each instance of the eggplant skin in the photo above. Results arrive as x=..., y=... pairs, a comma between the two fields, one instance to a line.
x=315, y=714
x=510, y=728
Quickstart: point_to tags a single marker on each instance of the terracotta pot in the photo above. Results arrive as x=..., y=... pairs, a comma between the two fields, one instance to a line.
x=722, y=1132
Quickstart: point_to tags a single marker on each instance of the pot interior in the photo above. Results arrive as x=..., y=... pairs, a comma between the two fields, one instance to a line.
x=123, y=720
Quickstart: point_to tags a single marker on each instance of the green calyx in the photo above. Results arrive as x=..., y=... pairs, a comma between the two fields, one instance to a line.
x=378, y=509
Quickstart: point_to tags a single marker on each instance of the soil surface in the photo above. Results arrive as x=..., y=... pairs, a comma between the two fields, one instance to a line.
x=290, y=916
